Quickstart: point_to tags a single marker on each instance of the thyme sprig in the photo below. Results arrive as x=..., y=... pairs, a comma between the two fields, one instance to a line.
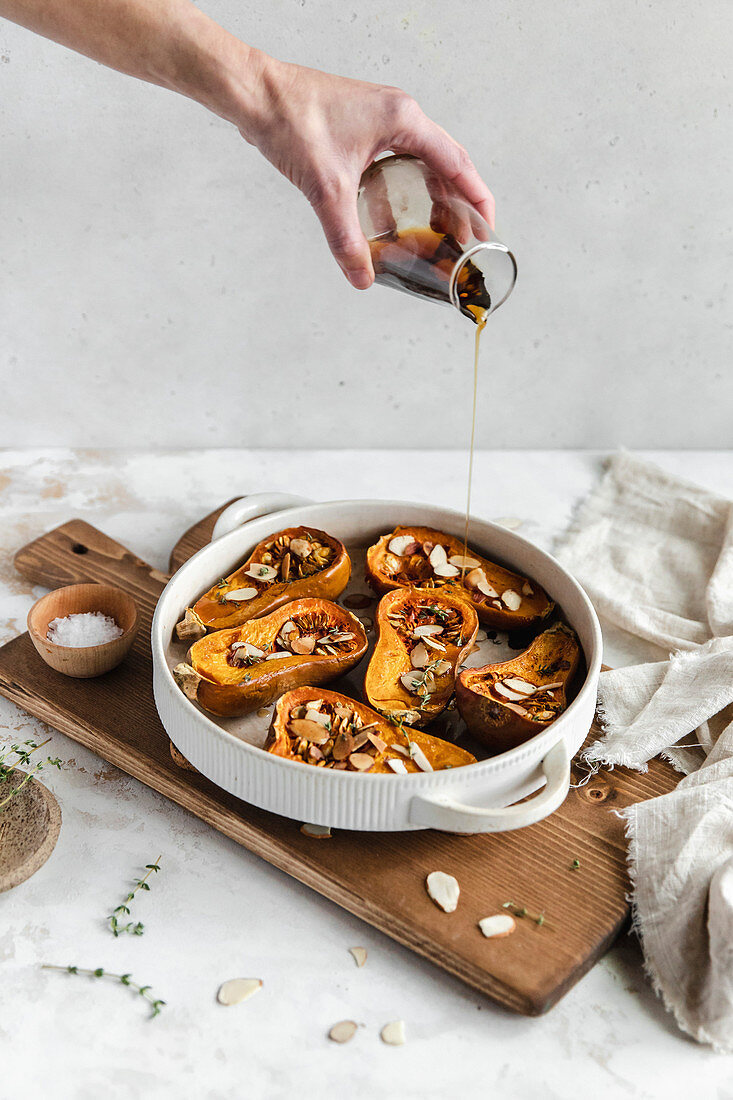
x=523, y=911
x=22, y=755
x=124, y=979
x=134, y=928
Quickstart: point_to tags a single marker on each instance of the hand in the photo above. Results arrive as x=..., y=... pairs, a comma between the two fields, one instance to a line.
x=322, y=131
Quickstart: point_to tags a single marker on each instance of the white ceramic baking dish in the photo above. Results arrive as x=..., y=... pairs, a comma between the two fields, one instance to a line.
x=483, y=797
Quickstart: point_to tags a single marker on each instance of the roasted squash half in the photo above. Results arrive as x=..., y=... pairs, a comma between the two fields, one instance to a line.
x=504, y=705
x=310, y=641
x=423, y=557
x=424, y=634
x=297, y=562
x=329, y=730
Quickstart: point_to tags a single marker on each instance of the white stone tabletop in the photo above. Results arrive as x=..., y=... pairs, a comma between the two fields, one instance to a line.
x=215, y=911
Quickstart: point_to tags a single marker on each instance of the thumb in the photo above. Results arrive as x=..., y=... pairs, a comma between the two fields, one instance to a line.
x=340, y=221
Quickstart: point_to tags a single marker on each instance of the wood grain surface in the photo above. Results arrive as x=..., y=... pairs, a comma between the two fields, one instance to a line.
x=378, y=876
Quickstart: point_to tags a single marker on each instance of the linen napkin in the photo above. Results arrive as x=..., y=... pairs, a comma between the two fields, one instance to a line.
x=655, y=554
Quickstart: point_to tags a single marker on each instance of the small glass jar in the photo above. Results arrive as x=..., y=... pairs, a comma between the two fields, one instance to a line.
x=427, y=240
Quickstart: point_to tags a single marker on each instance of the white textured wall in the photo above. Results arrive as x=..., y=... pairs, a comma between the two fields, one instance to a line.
x=160, y=283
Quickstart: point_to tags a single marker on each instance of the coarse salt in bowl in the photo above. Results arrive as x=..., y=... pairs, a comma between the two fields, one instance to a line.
x=83, y=630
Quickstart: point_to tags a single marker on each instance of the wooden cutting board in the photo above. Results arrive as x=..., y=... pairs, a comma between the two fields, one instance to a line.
x=378, y=876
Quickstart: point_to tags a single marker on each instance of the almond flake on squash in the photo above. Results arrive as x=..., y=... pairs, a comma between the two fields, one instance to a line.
x=288, y=628
x=419, y=758
x=343, y=1031
x=507, y=693
x=427, y=640
x=412, y=681
x=301, y=547
x=444, y=890
x=238, y=594
x=276, y=656
x=393, y=1033
x=361, y=761
x=237, y=990
x=260, y=572
x=486, y=590
x=463, y=562
x=308, y=731
x=501, y=924
x=440, y=668
x=419, y=656
x=360, y=955
x=303, y=645
x=527, y=589
x=438, y=556
x=397, y=766
x=401, y=545
x=516, y=683
x=517, y=709
x=318, y=832
x=511, y=599
x=377, y=741
x=314, y=715
x=400, y=749
x=446, y=570
x=427, y=630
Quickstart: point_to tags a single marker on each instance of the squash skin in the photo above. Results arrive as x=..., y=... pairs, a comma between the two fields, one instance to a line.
x=492, y=720
x=222, y=689
x=391, y=656
x=534, y=609
x=327, y=584
x=441, y=754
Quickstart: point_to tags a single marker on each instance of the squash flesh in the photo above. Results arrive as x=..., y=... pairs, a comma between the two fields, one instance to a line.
x=387, y=570
x=399, y=613
x=282, y=742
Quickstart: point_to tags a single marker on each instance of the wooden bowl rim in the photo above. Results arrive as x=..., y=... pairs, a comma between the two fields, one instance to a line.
x=36, y=859
x=131, y=630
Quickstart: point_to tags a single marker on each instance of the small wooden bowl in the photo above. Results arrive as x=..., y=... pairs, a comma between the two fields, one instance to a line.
x=83, y=661
x=29, y=829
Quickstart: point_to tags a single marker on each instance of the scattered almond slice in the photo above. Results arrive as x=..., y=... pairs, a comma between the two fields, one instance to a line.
x=288, y=628
x=511, y=599
x=463, y=562
x=527, y=589
x=303, y=645
x=401, y=545
x=412, y=681
x=549, y=687
x=427, y=630
x=444, y=890
x=397, y=766
x=400, y=749
x=261, y=572
x=516, y=683
x=360, y=955
x=378, y=743
x=278, y=655
x=501, y=924
x=486, y=590
x=446, y=570
x=308, y=730
x=419, y=656
x=433, y=644
x=301, y=547
x=419, y=758
x=438, y=556
x=237, y=990
x=517, y=709
x=238, y=594
x=342, y=1031
x=393, y=1033
x=507, y=693
x=318, y=832
x=314, y=715
x=440, y=668
x=362, y=761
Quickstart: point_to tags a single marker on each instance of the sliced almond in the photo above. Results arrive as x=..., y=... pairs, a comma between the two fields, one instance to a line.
x=397, y=766
x=444, y=890
x=343, y=1031
x=360, y=955
x=393, y=1033
x=440, y=668
x=427, y=630
x=400, y=749
x=250, y=650
x=288, y=628
x=315, y=753
x=278, y=654
x=438, y=556
x=507, y=693
x=260, y=572
x=511, y=599
x=308, y=731
x=419, y=656
x=412, y=681
x=500, y=924
x=376, y=740
x=238, y=595
x=516, y=683
x=343, y=746
x=487, y=590
x=477, y=579
x=401, y=545
x=237, y=990
x=433, y=644
x=318, y=832
x=314, y=715
x=285, y=567
x=517, y=709
x=361, y=761
x=301, y=547
x=303, y=645
x=419, y=758
x=550, y=687
x=446, y=570
x=527, y=589
x=464, y=563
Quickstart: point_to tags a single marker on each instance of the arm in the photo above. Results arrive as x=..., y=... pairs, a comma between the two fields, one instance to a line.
x=319, y=130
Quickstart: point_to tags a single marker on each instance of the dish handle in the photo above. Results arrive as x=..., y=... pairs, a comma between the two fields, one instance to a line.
x=443, y=812
x=252, y=507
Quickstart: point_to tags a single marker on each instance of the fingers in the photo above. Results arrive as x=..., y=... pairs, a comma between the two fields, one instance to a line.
x=335, y=207
x=423, y=137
